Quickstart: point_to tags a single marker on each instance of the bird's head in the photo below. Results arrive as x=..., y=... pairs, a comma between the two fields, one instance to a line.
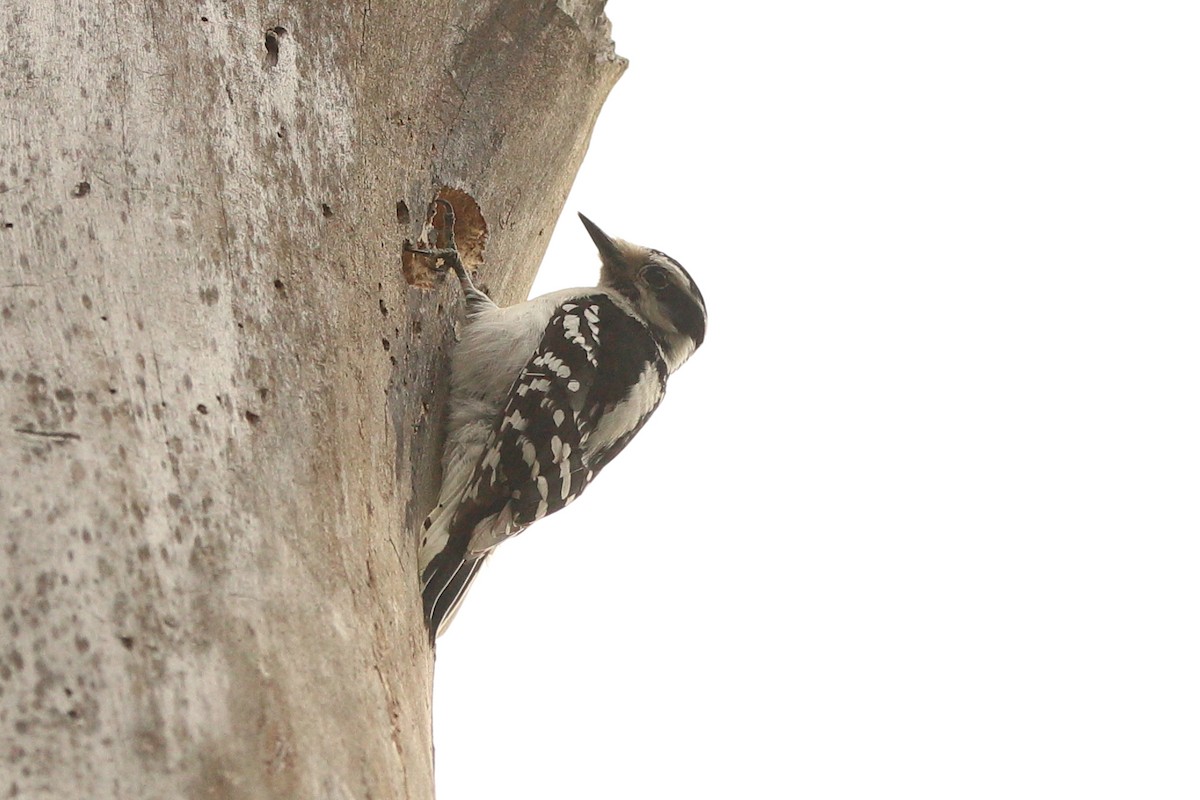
x=658, y=288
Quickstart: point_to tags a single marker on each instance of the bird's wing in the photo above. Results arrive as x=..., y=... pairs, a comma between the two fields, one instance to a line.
x=595, y=378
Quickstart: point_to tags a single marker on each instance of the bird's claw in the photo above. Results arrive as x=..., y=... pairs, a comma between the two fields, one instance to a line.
x=445, y=257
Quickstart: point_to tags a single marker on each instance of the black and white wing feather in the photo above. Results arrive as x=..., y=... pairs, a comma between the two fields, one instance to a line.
x=594, y=380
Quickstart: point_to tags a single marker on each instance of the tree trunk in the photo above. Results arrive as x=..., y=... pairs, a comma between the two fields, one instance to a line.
x=220, y=403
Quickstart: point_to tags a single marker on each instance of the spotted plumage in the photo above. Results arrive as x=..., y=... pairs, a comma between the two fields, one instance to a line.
x=544, y=394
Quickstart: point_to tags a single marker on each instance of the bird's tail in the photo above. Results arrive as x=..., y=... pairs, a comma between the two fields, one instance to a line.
x=445, y=583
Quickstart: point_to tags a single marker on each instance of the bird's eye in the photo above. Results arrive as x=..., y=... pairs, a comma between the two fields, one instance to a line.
x=655, y=277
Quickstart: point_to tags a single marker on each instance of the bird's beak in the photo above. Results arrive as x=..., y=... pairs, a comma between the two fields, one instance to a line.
x=610, y=253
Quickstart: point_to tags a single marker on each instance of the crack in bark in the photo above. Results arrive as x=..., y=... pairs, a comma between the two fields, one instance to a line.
x=61, y=436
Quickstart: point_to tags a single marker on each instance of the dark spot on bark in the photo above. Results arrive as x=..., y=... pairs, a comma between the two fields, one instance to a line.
x=81, y=189
x=382, y=307
x=386, y=344
x=402, y=214
x=280, y=287
x=263, y=393
x=104, y=317
x=252, y=418
x=326, y=211
x=204, y=19
x=126, y=642
x=87, y=302
x=203, y=409
x=416, y=327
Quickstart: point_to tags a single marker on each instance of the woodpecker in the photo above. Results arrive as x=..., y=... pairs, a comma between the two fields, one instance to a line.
x=543, y=395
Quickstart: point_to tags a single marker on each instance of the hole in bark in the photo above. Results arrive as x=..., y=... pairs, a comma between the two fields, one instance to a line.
x=81, y=189
x=203, y=409
x=326, y=210
x=470, y=236
x=386, y=344
x=279, y=287
x=402, y=215
x=470, y=230
x=126, y=642
x=252, y=418
x=272, y=44
x=382, y=307
x=8, y=225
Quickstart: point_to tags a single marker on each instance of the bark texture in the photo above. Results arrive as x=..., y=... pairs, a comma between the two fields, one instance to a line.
x=220, y=402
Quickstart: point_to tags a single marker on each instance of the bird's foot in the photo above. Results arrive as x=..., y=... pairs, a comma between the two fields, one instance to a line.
x=447, y=256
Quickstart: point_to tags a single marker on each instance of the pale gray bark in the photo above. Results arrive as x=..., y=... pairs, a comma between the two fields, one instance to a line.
x=220, y=403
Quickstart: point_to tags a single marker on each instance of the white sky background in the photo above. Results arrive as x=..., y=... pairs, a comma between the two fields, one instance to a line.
x=922, y=517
